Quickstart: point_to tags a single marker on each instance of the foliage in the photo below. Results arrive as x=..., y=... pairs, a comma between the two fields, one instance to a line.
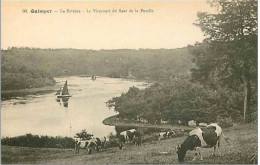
x=112, y=141
x=84, y=135
x=27, y=67
x=178, y=100
x=225, y=122
x=30, y=140
x=228, y=56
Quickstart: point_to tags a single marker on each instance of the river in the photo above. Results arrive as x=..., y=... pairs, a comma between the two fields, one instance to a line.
x=86, y=109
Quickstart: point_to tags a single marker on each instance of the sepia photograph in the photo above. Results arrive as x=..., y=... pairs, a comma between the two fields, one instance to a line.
x=129, y=82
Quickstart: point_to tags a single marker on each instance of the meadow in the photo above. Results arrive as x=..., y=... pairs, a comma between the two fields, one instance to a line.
x=241, y=149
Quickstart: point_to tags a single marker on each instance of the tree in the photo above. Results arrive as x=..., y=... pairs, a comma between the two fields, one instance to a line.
x=229, y=53
x=84, y=135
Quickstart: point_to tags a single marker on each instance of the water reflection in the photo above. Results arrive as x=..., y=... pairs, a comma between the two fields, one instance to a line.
x=63, y=101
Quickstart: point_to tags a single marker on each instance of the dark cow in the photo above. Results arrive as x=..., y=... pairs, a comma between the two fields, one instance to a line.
x=137, y=138
x=101, y=143
x=206, y=137
x=170, y=133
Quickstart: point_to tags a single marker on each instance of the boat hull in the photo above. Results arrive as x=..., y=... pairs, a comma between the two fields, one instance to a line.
x=63, y=96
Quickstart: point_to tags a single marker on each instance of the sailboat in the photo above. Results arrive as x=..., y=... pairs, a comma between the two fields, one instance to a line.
x=63, y=92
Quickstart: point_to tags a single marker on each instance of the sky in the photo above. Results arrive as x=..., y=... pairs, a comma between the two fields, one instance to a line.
x=169, y=25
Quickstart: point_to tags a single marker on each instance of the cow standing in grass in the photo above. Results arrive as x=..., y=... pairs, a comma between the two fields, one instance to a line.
x=126, y=136
x=100, y=143
x=137, y=138
x=89, y=145
x=92, y=144
x=167, y=134
x=162, y=135
x=170, y=133
x=206, y=137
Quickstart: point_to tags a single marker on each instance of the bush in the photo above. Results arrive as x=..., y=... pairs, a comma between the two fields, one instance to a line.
x=113, y=141
x=30, y=140
x=225, y=122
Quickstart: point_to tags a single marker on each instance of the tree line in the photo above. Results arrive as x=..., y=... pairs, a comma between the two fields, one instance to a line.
x=30, y=67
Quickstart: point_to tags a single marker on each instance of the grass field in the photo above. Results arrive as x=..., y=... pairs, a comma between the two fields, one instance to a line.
x=241, y=149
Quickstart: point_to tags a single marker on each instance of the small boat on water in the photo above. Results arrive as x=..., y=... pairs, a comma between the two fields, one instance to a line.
x=63, y=92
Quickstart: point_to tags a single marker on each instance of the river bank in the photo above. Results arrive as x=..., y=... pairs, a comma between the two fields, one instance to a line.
x=7, y=94
x=113, y=121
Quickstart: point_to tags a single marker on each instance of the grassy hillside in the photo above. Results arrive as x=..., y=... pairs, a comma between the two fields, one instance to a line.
x=26, y=68
x=241, y=150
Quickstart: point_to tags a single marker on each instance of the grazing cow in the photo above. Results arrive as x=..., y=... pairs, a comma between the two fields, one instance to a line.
x=129, y=134
x=170, y=133
x=126, y=136
x=89, y=145
x=101, y=143
x=137, y=138
x=84, y=144
x=192, y=123
x=77, y=144
x=162, y=135
x=205, y=137
x=122, y=141
x=92, y=144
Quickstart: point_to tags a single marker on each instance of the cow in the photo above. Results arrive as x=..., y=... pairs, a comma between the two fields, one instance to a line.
x=205, y=137
x=129, y=134
x=126, y=136
x=162, y=135
x=122, y=140
x=101, y=143
x=84, y=144
x=170, y=133
x=137, y=138
x=92, y=144
x=167, y=134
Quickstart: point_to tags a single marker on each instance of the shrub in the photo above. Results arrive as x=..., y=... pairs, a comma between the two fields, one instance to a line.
x=30, y=140
x=225, y=122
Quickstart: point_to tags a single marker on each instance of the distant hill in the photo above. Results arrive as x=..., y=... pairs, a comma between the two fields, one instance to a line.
x=26, y=67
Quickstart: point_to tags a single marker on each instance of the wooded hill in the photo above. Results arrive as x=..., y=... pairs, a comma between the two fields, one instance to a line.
x=224, y=81
x=27, y=67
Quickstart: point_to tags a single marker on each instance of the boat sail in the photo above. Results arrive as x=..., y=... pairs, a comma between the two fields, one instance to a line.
x=63, y=92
